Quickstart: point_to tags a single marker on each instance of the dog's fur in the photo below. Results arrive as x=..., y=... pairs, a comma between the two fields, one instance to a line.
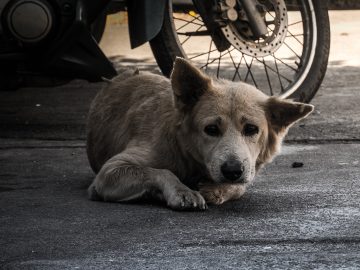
x=147, y=136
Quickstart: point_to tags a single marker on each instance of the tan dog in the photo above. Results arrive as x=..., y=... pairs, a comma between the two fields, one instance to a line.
x=148, y=135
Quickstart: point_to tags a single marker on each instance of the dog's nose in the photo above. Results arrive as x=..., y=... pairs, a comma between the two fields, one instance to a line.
x=232, y=169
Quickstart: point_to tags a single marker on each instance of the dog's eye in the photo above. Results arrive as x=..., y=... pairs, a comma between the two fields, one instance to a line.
x=250, y=130
x=212, y=130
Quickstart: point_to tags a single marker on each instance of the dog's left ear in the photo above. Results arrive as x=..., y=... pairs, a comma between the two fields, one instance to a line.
x=280, y=114
x=188, y=82
x=283, y=113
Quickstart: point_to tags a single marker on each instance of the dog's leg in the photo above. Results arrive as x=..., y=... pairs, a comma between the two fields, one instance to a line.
x=123, y=178
x=220, y=193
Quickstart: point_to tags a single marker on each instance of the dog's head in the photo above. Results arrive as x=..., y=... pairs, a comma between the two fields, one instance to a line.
x=230, y=127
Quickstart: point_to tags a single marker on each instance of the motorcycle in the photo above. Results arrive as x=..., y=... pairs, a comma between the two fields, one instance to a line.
x=279, y=46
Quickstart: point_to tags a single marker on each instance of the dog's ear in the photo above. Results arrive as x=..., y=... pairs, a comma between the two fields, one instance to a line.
x=188, y=82
x=281, y=114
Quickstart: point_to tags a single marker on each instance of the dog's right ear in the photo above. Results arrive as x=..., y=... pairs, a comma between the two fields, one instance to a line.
x=188, y=82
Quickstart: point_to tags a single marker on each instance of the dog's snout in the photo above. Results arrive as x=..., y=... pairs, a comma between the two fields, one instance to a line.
x=232, y=169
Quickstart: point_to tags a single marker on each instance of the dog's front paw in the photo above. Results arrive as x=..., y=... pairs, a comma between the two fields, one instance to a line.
x=186, y=199
x=220, y=193
x=213, y=195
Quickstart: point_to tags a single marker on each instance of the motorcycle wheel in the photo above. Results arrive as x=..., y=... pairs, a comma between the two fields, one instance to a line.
x=289, y=66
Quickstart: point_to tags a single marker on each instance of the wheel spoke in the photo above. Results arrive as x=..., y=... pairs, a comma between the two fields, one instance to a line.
x=213, y=60
x=291, y=50
x=267, y=77
x=209, y=52
x=292, y=68
x=278, y=73
x=273, y=70
x=201, y=54
x=295, y=23
x=295, y=35
x=183, y=42
x=249, y=71
x=196, y=17
x=295, y=38
x=236, y=67
x=194, y=33
x=187, y=23
x=218, y=68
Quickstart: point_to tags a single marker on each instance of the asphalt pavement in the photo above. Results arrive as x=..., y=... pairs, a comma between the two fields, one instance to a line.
x=291, y=218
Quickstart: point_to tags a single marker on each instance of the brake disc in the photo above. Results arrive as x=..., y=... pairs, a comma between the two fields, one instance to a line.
x=267, y=45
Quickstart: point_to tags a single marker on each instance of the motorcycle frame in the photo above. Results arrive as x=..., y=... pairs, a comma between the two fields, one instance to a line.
x=145, y=22
x=74, y=53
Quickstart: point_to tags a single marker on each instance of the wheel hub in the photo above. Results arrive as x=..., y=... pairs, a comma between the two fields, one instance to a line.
x=238, y=33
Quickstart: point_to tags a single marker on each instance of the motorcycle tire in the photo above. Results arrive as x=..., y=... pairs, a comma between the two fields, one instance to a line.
x=313, y=58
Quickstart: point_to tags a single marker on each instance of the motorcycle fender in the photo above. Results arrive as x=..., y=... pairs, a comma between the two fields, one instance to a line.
x=145, y=20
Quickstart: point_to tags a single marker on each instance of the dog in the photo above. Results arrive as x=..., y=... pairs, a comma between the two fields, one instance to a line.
x=189, y=141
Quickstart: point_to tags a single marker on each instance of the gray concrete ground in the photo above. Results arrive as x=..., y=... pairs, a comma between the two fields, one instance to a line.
x=291, y=218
